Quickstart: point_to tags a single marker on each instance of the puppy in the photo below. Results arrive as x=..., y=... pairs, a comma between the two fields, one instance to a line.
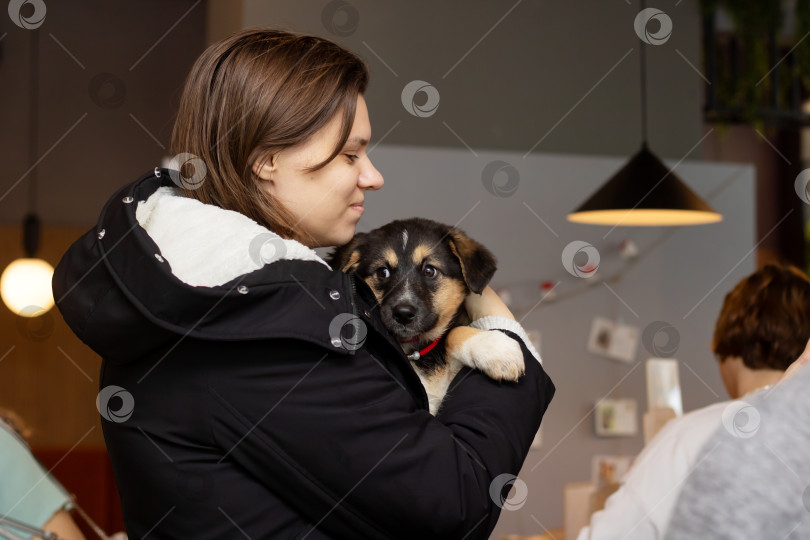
x=421, y=271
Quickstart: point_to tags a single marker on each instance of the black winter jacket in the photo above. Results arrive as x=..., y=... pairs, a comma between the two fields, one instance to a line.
x=232, y=411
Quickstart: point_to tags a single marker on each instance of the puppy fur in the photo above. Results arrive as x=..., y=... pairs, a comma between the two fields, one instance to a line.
x=420, y=272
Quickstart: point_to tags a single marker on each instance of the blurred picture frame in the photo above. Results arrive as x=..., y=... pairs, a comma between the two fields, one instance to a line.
x=616, y=418
x=613, y=340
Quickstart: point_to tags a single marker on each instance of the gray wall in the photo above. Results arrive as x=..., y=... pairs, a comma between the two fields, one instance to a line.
x=91, y=142
x=525, y=65
x=680, y=277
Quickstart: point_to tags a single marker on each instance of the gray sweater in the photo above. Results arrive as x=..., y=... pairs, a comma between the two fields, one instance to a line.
x=755, y=479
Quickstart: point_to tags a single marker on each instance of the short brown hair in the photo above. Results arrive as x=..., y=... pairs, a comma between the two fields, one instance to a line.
x=253, y=94
x=765, y=319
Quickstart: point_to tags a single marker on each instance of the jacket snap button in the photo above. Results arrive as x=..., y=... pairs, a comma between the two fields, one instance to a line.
x=336, y=342
x=334, y=295
x=127, y=200
x=241, y=289
x=158, y=257
x=157, y=172
x=101, y=234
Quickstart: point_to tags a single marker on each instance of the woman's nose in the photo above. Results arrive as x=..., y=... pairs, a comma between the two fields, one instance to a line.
x=370, y=177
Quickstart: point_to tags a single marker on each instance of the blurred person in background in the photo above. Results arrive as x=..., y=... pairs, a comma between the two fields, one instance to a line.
x=754, y=483
x=28, y=493
x=763, y=327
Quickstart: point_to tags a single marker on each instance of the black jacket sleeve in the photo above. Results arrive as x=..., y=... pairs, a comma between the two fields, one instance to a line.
x=343, y=442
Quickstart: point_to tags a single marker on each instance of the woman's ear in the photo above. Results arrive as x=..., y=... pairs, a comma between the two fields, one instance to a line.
x=264, y=167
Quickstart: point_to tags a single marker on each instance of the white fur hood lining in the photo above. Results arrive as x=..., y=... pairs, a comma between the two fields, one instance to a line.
x=209, y=246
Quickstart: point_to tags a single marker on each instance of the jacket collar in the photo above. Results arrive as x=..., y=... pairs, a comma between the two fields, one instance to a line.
x=235, y=309
x=206, y=245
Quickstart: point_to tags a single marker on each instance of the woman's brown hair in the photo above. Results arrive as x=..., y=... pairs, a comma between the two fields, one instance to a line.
x=765, y=319
x=251, y=95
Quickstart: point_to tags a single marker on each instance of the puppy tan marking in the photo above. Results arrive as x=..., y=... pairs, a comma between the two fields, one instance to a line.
x=448, y=297
x=391, y=258
x=420, y=253
x=351, y=264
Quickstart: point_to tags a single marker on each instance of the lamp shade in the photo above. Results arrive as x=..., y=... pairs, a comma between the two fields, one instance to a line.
x=644, y=192
x=25, y=287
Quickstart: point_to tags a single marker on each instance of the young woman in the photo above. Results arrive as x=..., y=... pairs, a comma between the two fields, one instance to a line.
x=246, y=387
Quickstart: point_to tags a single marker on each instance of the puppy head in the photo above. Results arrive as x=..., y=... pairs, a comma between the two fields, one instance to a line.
x=420, y=272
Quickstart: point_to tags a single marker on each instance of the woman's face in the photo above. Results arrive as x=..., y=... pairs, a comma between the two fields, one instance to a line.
x=327, y=203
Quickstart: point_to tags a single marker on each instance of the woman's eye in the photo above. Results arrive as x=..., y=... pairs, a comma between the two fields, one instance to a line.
x=383, y=273
x=352, y=157
x=430, y=271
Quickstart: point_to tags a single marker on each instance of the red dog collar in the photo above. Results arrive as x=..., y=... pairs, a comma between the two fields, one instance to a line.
x=416, y=355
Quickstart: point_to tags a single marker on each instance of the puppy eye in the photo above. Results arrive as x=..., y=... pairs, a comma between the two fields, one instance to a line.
x=383, y=273
x=430, y=271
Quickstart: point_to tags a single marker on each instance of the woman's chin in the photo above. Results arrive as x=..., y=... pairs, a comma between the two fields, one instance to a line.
x=337, y=236
x=343, y=238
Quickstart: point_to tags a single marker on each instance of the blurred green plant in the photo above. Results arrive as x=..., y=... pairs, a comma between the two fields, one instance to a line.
x=743, y=81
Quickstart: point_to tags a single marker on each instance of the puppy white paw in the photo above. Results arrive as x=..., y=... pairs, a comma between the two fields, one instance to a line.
x=494, y=353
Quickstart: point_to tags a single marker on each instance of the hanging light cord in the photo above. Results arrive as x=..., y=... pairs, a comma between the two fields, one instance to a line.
x=31, y=229
x=33, y=114
x=643, y=86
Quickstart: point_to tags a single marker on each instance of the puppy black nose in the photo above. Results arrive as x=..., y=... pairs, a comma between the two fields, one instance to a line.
x=404, y=313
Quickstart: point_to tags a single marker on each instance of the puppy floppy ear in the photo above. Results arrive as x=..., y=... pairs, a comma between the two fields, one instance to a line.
x=478, y=264
x=346, y=258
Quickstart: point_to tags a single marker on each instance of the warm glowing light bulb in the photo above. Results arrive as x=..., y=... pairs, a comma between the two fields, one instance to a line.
x=25, y=287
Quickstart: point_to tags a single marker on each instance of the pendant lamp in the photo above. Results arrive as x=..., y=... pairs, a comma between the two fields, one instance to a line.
x=644, y=191
x=25, y=285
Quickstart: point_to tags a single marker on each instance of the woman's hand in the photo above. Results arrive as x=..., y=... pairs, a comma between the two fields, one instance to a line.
x=486, y=304
x=63, y=525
